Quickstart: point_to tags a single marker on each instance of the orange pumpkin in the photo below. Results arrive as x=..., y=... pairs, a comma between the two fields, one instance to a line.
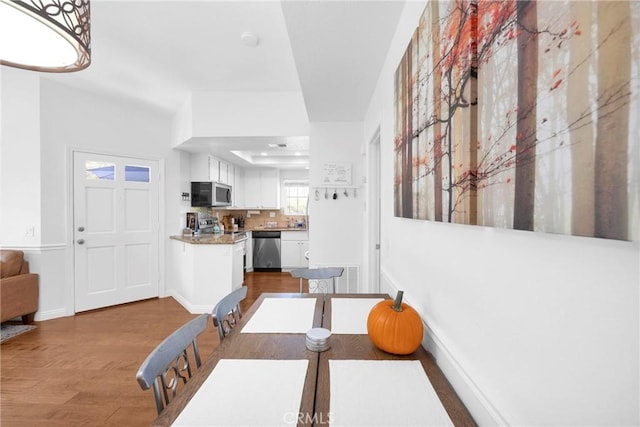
x=394, y=326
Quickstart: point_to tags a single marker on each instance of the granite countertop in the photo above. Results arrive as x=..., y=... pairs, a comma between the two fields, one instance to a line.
x=212, y=239
x=275, y=229
x=226, y=238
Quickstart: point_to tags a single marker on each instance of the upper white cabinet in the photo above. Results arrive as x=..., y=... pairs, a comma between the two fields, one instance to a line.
x=209, y=168
x=252, y=197
x=221, y=171
x=225, y=172
x=270, y=188
x=252, y=188
x=262, y=188
x=201, y=167
x=238, y=187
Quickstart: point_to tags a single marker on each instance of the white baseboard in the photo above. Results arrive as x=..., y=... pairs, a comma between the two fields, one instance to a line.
x=51, y=314
x=480, y=408
x=38, y=248
x=191, y=308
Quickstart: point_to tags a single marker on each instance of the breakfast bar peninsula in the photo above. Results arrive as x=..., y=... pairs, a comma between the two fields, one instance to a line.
x=208, y=267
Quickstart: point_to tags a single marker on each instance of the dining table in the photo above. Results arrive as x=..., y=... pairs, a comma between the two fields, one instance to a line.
x=263, y=374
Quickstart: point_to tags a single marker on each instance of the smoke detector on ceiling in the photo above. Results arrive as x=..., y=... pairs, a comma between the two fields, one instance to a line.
x=249, y=39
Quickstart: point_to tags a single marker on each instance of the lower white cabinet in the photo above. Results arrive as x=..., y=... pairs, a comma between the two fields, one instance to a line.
x=237, y=270
x=249, y=251
x=294, y=244
x=203, y=274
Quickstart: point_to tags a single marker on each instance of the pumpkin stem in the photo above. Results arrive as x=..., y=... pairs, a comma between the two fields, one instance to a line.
x=397, y=304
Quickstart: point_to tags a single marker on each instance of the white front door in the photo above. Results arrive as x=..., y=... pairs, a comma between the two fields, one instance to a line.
x=116, y=227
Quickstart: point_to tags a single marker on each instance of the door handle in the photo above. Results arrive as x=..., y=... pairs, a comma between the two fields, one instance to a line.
x=81, y=241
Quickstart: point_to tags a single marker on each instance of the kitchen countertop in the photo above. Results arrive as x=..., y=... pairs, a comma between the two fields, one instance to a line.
x=227, y=238
x=212, y=239
x=275, y=229
x=246, y=229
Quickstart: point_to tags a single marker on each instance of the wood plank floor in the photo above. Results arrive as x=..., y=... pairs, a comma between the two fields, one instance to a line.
x=80, y=370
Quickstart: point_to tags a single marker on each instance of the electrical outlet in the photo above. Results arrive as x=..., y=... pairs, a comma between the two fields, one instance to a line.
x=30, y=231
x=272, y=214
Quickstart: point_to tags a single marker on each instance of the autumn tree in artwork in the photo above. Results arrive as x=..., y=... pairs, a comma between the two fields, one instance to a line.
x=526, y=138
x=453, y=43
x=614, y=30
x=582, y=136
x=404, y=120
x=452, y=55
x=437, y=112
x=611, y=106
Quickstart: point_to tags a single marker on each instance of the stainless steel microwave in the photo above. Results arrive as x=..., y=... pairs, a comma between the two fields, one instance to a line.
x=207, y=193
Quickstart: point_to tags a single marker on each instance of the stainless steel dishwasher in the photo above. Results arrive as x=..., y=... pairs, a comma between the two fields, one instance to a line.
x=266, y=251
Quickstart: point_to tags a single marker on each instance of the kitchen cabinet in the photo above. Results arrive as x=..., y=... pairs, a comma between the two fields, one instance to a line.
x=262, y=188
x=293, y=245
x=204, y=273
x=237, y=269
x=200, y=167
x=252, y=197
x=238, y=187
x=224, y=171
x=221, y=171
x=249, y=251
x=209, y=168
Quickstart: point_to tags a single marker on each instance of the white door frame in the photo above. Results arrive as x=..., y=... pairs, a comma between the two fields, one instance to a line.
x=374, y=207
x=71, y=265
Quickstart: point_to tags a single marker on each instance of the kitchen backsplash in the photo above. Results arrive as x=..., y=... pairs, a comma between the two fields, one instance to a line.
x=253, y=220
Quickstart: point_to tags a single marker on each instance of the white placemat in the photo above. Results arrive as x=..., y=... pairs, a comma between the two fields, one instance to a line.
x=282, y=315
x=383, y=393
x=349, y=315
x=248, y=392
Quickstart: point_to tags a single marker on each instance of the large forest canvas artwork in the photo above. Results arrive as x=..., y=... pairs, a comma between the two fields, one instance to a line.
x=522, y=115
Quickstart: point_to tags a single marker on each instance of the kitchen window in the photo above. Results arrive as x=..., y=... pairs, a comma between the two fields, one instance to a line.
x=296, y=196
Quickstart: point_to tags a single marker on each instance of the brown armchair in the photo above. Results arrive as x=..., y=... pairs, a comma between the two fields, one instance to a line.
x=18, y=287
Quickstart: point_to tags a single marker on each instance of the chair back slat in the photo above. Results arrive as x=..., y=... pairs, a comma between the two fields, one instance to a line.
x=319, y=274
x=169, y=362
x=227, y=312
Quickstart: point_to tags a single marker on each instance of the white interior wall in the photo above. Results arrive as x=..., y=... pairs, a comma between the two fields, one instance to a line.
x=67, y=119
x=531, y=328
x=20, y=159
x=181, y=126
x=336, y=228
x=248, y=114
x=76, y=120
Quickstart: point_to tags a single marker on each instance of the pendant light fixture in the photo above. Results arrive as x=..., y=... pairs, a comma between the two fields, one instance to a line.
x=45, y=35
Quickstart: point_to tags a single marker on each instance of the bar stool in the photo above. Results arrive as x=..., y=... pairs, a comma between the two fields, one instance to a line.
x=320, y=274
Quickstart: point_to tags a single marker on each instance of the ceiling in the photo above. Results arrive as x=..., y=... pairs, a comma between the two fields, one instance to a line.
x=158, y=52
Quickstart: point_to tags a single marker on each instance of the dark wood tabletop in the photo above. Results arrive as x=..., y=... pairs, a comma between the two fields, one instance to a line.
x=254, y=346
x=360, y=347
x=315, y=396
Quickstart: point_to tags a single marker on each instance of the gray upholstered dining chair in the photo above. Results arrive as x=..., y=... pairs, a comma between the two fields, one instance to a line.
x=226, y=314
x=320, y=276
x=169, y=363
